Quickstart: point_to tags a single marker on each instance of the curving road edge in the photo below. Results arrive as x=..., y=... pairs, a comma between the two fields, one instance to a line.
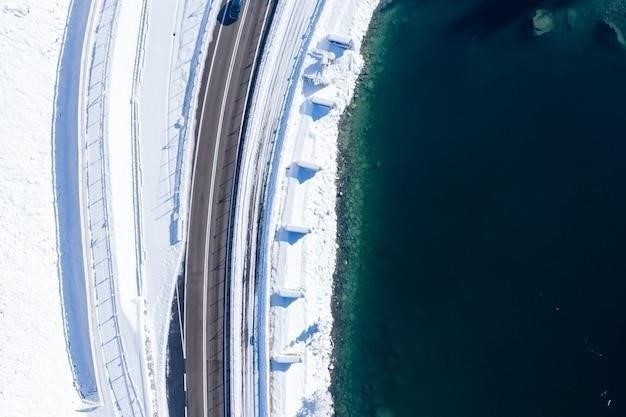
x=231, y=61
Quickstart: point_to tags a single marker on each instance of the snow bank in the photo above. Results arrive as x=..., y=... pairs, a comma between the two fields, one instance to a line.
x=36, y=372
x=65, y=144
x=306, y=197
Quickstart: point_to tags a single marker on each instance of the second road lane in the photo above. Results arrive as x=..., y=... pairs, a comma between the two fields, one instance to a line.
x=225, y=86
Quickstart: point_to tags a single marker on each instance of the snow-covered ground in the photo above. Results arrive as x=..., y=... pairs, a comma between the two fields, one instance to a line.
x=39, y=373
x=300, y=195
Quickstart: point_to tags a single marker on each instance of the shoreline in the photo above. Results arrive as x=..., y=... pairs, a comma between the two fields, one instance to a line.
x=348, y=203
x=308, y=198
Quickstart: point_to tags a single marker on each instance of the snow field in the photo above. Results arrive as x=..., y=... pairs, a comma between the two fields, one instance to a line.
x=36, y=375
x=126, y=197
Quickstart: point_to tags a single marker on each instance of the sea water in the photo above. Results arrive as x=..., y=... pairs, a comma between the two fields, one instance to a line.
x=482, y=264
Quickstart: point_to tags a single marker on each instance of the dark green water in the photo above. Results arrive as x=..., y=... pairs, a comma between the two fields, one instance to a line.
x=482, y=268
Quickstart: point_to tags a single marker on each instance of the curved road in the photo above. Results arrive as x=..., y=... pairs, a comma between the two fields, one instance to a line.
x=226, y=81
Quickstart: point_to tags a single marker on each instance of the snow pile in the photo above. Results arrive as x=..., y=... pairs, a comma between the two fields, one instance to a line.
x=36, y=376
x=301, y=228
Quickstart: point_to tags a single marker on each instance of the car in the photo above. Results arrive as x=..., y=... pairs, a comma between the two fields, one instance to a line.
x=235, y=9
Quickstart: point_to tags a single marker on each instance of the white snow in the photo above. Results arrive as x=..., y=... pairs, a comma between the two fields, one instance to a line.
x=282, y=58
x=121, y=153
x=47, y=363
x=142, y=64
x=36, y=372
x=300, y=199
x=123, y=193
x=177, y=37
x=112, y=286
x=147, y=66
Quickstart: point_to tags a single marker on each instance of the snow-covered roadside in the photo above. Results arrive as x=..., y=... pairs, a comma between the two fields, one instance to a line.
x=142, y=168
x=36, y=369
x=277, y=71
x=307, y=198
x=177, y=36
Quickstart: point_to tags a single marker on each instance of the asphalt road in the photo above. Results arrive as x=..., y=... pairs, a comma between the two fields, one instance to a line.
x=224, y=92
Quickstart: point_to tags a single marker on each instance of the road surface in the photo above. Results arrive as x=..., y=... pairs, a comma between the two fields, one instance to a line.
x=230, y=62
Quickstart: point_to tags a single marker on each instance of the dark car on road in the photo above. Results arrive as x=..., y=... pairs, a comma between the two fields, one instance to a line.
x=235, y=9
